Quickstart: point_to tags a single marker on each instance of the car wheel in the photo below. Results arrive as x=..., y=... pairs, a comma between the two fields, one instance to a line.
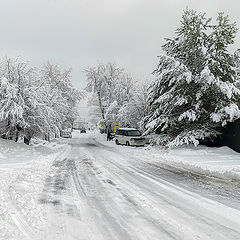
x=116, y=141
x=127, y=144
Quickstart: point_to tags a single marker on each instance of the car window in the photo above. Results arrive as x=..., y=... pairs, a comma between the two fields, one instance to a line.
x=135, y=133
x=124, y=133
x=119, y=132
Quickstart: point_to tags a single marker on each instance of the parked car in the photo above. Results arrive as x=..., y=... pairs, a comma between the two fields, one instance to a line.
x=66, y=134
x=129, y=137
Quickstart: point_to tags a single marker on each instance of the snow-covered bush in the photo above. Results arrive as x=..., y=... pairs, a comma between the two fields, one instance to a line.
x=196, y=88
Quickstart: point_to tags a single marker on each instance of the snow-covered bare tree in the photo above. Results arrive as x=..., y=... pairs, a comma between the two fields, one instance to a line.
x=111, y=86
x=94, y=112
x=11, y=108
x=16, y=91
x=62, y=97
x=195, y=90
x=136, y=109
x=35, y=102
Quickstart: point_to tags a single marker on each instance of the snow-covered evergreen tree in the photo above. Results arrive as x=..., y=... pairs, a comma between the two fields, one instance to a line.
x=195, y=90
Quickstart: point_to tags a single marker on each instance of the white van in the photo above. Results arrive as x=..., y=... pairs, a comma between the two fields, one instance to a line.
x=129, y=137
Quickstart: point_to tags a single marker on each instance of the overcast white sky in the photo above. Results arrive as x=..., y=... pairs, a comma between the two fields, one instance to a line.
x=81, y=33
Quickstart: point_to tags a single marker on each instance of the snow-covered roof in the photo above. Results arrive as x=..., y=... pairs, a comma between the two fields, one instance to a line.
x=127, y=129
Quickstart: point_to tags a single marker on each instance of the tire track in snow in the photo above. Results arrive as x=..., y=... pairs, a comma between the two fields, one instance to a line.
x=131, y=189
x=88, y=186
x=117, y=199
x=56, y=184
x=156, y=227
x=143, y=180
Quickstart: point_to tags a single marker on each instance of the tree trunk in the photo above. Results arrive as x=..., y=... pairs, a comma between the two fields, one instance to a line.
x=45, y=137
x=102, y=109
x=16, y=135
x=100, y=105
x=27, y=140
x=48, y=137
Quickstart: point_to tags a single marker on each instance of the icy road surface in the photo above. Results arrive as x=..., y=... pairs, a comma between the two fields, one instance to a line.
x=98, y=191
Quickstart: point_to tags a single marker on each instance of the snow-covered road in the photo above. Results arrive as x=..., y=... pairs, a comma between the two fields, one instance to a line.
x=98, y=192
x=90, y=189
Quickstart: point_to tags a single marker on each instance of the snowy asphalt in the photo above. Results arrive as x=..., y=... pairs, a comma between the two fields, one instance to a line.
x=97, y=192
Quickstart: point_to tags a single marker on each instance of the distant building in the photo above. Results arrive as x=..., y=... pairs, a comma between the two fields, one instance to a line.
x=231, y=135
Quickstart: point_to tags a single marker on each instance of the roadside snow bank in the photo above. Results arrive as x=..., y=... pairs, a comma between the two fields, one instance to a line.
x=23, y=170
x=12, y=152
x=220, y=162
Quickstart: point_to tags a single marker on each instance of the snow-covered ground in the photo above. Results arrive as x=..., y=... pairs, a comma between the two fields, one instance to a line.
x=88, y=188
x=221, y=162
x=23, y=170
